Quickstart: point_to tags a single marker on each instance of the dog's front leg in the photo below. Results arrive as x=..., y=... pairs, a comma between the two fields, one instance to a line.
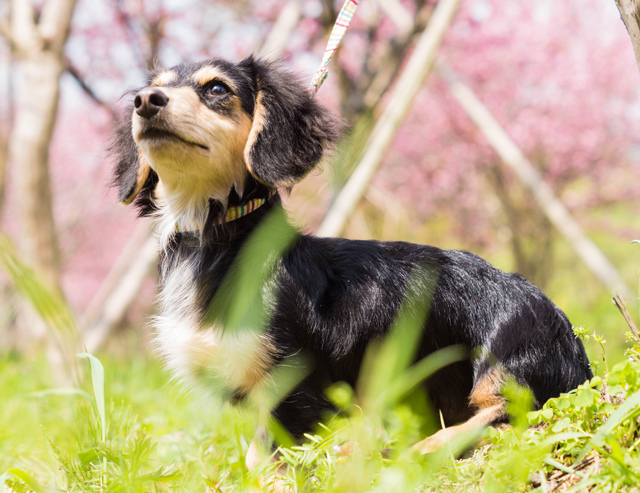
x=260, y=449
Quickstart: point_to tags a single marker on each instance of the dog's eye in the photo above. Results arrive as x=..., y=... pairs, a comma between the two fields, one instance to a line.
x=216, y=89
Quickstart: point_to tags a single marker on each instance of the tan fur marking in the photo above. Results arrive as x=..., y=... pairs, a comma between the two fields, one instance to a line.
x=207, y=74
x=490, y=407
x=259, y=122
x=160, y=194
x=487, y=391
x=438, y=440
x=254, y=350
x=164, y=78
x=196, y=353
x=262, y=359
x=143, y=174
x=236, y=141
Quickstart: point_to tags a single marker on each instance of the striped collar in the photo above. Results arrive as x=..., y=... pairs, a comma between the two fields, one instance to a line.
x=232, y=213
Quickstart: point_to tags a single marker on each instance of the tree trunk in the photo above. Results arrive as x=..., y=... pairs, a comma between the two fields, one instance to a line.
x=29, y=150
x=39, y=48
x=38, y=43
x=630, y=14
x=6, y=122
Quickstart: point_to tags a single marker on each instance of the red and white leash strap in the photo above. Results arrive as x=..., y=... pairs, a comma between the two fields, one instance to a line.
x=339, y=28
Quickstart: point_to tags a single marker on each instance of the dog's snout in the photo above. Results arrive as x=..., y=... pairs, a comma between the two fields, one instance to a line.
x=149, y=101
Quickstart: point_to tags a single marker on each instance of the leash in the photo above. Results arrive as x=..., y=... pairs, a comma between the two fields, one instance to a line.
x=339, y=28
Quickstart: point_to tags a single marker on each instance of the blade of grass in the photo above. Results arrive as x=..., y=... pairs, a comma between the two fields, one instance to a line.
x=458, y=443
x=563, y=468
x=282, y=380
x=626, y=410
x=385, y=361
x=50, y=305
x=449, y=447
x=349, y=149
x=239, y=302
x=423, y=369
x=563, y=437
x=162, y=475
x=97, y=377
x=70, y=391
x=27, y=479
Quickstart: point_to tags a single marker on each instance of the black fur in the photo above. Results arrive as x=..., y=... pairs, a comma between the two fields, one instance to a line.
x=126, y=153
x=335, y=296
x=296, y=132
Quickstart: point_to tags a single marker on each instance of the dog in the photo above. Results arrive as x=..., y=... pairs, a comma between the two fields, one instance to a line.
x=205, y=149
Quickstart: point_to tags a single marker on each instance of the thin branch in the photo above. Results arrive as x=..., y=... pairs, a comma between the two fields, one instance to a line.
x=379, y=73
x=398, y=14
x=73, y=71
x=122, y=293
x=129, y=31
x=4, y=156
x=387, y=69
x=351, y=86
x=5, y=129
x=154, y=30
x=120, y=267
x=622, y=307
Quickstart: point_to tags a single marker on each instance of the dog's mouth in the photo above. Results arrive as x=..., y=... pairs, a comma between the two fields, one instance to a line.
x=154, y=134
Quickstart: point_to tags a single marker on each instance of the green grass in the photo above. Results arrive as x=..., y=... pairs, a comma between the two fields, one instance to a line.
x=125, y=428
x=148, y=422
x=157, y=440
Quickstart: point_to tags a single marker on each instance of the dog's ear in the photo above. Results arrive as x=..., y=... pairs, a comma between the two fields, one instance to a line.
x=290, y=130
x=132, y=172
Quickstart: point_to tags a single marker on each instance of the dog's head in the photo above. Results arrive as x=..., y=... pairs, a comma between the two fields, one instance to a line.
x=197, y=131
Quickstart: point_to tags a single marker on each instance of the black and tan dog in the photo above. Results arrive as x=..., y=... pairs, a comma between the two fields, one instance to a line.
x=204, y=149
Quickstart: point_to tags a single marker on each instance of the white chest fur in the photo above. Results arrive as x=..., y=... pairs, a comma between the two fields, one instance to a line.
x=206, y=357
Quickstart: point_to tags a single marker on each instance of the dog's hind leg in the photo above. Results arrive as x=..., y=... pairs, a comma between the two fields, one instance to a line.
x=489, y=406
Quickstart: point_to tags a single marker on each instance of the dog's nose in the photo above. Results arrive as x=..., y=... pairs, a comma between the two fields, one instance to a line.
x=149, y=101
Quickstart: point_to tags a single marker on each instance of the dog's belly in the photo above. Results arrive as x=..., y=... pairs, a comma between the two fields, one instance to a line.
x=208, y=358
